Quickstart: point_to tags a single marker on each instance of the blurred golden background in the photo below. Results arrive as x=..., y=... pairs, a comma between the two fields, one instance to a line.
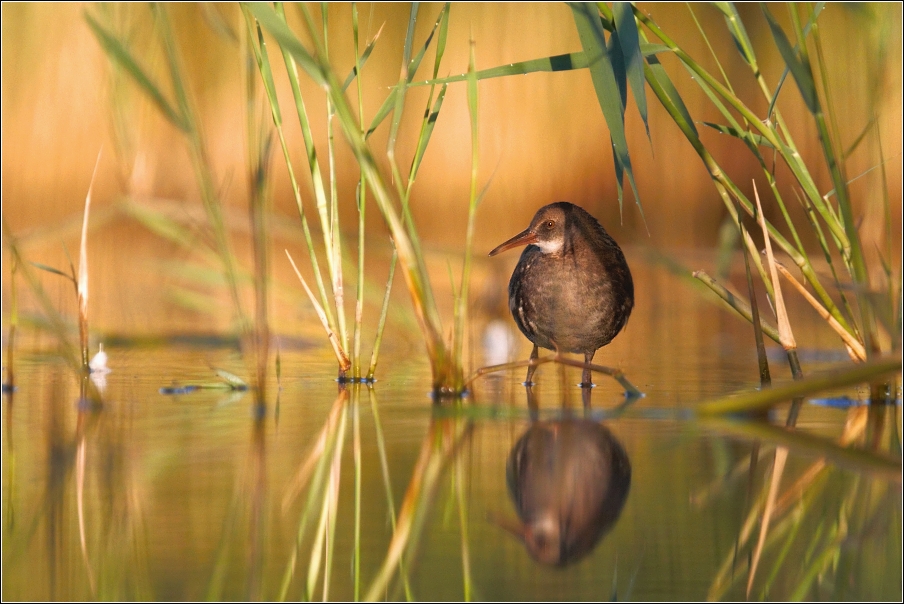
x=542, y=135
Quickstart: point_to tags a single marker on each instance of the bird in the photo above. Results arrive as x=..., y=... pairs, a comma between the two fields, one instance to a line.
x=569, y=481
x=572, y=290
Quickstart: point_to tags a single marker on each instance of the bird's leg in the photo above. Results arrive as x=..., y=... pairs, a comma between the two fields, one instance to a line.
x=532, y=367
x=585, y=376
x=532, y=404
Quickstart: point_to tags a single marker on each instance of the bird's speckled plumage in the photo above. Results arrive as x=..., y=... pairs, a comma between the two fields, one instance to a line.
x=571, y=290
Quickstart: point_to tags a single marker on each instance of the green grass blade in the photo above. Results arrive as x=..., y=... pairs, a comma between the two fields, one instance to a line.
x=669, y=97
x=738, y=304
x=742, y=135
x=593, y=40
x=411, y=64
x=629, y=40
x=362, y=59
x=383, y=311
x=840, y=378
x=801, y=71
x=277, y=27
x=738, y=32
x=441, y=39
x=399, y=103
x=413, y=265
x=313, y=164
x=461, y=311
x=50, y=269
x=119, y=53
x=424, y=138
x=816, y=10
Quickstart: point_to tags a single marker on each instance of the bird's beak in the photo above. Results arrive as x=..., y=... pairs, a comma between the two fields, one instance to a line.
x=510, y=526
x=525, y=237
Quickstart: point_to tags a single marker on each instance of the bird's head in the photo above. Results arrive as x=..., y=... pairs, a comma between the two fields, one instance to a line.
x=547, y=230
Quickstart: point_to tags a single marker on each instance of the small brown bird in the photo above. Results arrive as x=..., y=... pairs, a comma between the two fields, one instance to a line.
x=569, y=481
x=571, y=290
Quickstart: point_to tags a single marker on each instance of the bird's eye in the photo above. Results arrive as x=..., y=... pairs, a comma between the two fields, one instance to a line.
x=550, y=224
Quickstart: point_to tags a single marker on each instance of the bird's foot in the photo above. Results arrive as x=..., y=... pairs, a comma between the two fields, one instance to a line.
x=587, y=385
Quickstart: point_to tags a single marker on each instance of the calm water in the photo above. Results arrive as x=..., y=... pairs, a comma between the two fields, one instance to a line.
x=195, y=496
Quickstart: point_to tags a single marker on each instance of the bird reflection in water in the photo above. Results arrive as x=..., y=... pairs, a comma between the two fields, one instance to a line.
x=569, y=480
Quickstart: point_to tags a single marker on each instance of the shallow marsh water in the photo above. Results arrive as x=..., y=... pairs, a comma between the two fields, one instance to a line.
x=197, y=496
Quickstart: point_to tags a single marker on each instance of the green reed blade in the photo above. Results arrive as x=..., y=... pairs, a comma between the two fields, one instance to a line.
x=461, y=310
x=410, y=67
x=738, y=32
x=742, y=135
x=812, y=21
x=313, y=164
x=383, y=310
x=426, y=132
x=564, y=62
x=361, y=196
x=765, y=377
x=399, y=101
x=629, y=41
x=50, y=269
x=738, y=304
x=593, y=40
x=871, y=124
x=117, y=52
x=709, y=46
x=827, y=254
x=441, y=38
x=790, y=156
x=800, y=70
x=858, y=264
x=846, y=376
x=334, y=249
x=726, y=188
x=360, y=60
x=274, y=22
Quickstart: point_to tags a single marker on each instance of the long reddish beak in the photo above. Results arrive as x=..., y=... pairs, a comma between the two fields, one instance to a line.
x=525, y=237
x=512, y=527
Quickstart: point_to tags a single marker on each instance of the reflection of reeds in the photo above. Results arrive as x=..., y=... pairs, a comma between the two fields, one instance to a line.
x=782, y=514
x=441, y=444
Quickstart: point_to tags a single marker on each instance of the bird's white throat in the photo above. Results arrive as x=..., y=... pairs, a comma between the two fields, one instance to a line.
x=550, y=247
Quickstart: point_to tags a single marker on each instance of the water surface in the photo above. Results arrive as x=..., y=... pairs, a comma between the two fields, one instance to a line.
x=193, y=496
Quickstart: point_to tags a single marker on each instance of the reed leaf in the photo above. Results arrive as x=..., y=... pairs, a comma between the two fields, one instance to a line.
x=410, y=68
x=593, y=40
x=743, y=135
x=853, y=345
x=444, y=367
x=736, y=303
x=844, y=376
x=117, y=51
x=629, y=40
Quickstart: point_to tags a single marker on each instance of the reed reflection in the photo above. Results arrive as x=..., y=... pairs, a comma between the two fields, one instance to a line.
x=569, y=480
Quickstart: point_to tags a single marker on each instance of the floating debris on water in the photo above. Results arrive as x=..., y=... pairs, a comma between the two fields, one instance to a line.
x=170, y=390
